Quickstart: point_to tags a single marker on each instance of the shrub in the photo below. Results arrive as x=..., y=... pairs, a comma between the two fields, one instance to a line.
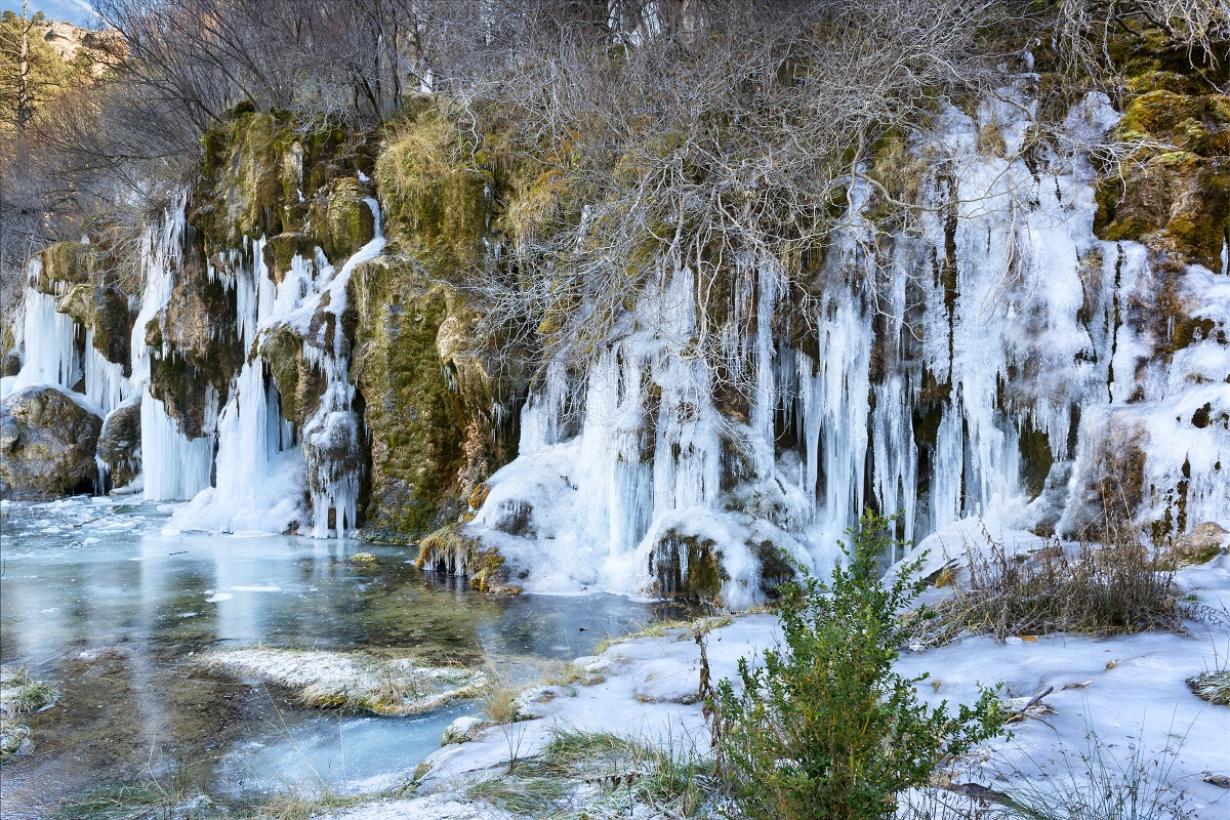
x=825, y=727
x=1111, y=589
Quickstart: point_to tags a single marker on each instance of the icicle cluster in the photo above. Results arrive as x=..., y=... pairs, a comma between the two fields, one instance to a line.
x=1004, y=317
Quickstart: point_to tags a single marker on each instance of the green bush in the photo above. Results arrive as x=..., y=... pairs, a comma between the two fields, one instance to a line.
x=825, y=727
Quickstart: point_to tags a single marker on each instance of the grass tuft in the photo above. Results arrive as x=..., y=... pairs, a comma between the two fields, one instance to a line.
x=1113, y=589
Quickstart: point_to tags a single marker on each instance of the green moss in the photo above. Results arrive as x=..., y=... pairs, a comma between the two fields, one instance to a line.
x=450, y=550
x=1036, y=458
x=261, y=173
x=434, y=193
x=687, y=567
x=346, y=223
x=299, y=385
x=415, y=420
x=67, y=263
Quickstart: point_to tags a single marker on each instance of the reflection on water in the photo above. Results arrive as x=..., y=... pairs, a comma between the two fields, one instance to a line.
x=95, y=600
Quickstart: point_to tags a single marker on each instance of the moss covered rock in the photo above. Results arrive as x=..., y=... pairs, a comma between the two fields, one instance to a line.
x=66, y=263
x=119, y=443
x=687, y=567
x=299, y=383
x=435, y=194
x=47, y=443
x=194, y=347
x=1174, y=192
x=341, y=220
x=262, y=173
x=449, y=550
x=103, y=310
x=414, y=417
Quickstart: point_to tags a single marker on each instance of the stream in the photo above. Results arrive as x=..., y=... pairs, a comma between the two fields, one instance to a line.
x=111, y=611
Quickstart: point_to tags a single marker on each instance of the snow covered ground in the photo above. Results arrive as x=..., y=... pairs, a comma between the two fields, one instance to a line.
x=1128, y=692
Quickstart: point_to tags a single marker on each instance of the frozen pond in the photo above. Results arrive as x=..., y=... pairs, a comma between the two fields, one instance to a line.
x=113, y=614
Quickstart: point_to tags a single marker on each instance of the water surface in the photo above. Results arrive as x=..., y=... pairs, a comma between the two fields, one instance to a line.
x=98, y=602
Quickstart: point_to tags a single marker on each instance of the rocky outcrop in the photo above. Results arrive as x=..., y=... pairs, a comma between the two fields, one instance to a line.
x=414, y=416
x=48, y=439
x=82, y=279
x=103, y=310
x=194, y=345
x=119, y=443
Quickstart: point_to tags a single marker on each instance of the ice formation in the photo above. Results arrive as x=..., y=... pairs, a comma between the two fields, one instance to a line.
x=269, y=475
x=1004, y=303
x=986, y=363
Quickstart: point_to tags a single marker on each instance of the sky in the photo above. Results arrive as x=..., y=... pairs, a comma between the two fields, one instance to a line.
x=78, y=12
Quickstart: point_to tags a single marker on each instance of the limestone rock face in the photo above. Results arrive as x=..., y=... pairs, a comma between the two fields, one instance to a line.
x=104, y=311
x=119, y=443
x=202, y=353
x=66, y=263
x=47, y=443
x=299, y=384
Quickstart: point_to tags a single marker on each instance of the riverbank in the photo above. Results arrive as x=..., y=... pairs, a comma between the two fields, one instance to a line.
x=1090, y=713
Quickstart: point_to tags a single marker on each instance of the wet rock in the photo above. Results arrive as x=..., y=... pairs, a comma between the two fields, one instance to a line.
x=363, y=559
x=352, y=680
x=194, y=344
x=104, y=311
x=119, y=443
x=10, y=363
x=300, y=384
x=47, y=442
x=686, y=567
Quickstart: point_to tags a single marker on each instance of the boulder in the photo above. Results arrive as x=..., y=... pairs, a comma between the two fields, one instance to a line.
x=1204, y=543
x=47, y=440
x=119, y=443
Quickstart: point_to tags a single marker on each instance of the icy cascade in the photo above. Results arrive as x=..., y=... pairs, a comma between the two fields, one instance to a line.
x=173, y=466
x=332, y=436
x=58, y=352
x=936, y=357
x=49, y=339
x=258, y=463
x=267, y=471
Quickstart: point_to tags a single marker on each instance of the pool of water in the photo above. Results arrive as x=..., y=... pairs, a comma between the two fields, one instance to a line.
x=97, y=601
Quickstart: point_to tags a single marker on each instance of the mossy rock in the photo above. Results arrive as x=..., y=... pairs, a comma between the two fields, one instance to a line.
x=202, y=354
x=434, y=194
x=1175, y=202
x=415, y=420
x=1174, y=194
x=451, y=551
x=261, y=173
x=300, y=385
x=1036, y=458
x=281, y=250
x=103, y=311
x=1194, y=123
x=341, y=219
x=687, y=567
x=67, y=263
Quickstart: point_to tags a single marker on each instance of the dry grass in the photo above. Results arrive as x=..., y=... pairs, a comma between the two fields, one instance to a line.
x=500, y=701
x=1111, y=589
x=655, y=629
